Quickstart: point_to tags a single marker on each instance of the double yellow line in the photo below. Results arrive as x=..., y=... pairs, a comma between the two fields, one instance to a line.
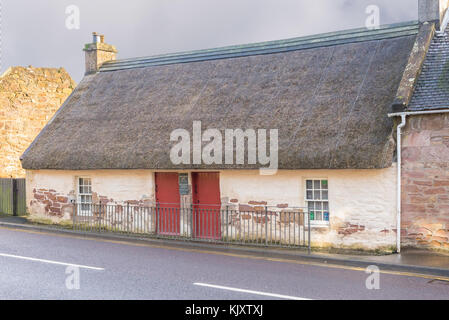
x=235, y=255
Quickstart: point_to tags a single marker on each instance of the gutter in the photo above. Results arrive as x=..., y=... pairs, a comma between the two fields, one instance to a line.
x=403, y=116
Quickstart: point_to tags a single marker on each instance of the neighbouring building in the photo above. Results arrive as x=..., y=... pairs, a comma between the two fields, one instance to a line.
x=425, y=147
x=29, y=97
x=327, y=95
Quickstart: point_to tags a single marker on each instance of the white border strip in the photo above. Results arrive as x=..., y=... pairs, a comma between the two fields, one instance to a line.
x=50, y=262
x=260, y=293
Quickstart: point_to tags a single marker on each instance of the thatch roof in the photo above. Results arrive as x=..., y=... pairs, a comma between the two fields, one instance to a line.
x=328, y=95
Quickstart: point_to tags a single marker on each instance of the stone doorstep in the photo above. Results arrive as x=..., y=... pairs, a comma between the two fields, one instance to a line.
x=299, y=255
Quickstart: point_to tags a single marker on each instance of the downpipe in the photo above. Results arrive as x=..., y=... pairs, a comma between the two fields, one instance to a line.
x=399, y=184
x=403, y=116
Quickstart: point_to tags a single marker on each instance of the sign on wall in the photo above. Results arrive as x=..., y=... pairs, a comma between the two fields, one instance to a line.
x=183, y=184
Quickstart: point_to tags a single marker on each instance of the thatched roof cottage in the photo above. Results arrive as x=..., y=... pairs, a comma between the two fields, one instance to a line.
x=322, y=100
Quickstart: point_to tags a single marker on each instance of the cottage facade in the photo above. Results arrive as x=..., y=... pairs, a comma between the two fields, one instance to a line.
x=327, y=96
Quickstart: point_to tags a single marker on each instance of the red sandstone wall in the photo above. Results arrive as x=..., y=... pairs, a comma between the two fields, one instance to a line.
x=425, y=182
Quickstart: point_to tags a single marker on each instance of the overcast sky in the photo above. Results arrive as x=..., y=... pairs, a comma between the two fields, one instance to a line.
x=34, y=31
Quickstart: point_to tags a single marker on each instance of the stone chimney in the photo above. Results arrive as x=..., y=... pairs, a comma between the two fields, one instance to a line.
x=432, y=10
x=97, y=53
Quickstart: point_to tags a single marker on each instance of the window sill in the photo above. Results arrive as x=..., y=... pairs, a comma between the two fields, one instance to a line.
x=319, y=224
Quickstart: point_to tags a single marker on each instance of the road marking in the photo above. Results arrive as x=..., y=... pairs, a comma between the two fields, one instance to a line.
x=245, y=256
x=50, y=261
x=260, y=293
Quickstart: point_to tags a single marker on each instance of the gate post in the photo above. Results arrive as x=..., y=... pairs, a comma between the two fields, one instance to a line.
x=309, y=245
x=266, y=226
x=127, y=217
x=192, y=227
x=75, y=213
x=14, y=197
x=156, y=227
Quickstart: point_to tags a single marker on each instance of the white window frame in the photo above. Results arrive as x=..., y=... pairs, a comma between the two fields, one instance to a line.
x=81, y=194
x=315, y=222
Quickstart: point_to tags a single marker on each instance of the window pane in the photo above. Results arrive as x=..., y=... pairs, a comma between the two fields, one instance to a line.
x=326, y=206
x=316, y=184
x=323, y=184
x=309, y=195
x=312, y=215
x=316, y=195
x=325, y=194
x=318, y=205
x=310, y=204
x=309, y=184
x=318, y=215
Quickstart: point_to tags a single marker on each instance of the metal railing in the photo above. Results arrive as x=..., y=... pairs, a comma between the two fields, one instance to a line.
x=260, y=226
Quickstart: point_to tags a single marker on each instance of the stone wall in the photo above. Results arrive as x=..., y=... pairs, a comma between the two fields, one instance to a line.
x=29, y=97
x=425, y=182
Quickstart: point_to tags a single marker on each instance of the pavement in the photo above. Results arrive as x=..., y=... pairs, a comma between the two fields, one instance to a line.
x=409, y=260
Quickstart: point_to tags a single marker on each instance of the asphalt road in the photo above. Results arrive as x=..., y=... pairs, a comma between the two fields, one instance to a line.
x=38, y=265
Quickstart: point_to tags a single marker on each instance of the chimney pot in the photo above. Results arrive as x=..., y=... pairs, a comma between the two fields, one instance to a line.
x=95, y=37
x=102, y=38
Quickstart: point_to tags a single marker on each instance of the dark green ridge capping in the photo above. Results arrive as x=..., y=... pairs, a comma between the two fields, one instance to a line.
x=269, y=47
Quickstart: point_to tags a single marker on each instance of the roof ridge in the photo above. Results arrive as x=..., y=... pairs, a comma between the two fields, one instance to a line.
x=274, y=46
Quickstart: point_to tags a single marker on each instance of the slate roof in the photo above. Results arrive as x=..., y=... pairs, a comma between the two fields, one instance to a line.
x=328, y=95
x=432, y=88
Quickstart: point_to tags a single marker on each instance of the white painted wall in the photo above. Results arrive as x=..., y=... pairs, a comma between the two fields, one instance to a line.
x=363, y=198
x=356, y=197
x=120, y=185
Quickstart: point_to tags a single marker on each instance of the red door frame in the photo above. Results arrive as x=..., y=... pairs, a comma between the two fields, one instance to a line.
x=168, y=203
x=206, y=205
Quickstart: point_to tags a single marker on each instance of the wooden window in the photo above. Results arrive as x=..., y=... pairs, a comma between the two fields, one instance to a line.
x=85, y=196
x=317, y=198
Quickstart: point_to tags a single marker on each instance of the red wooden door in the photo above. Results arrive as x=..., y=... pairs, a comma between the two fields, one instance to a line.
x=168, y=202
x=206, y=205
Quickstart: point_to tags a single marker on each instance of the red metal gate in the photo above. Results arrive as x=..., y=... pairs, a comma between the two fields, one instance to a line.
x=168, y=203
x=206, y=205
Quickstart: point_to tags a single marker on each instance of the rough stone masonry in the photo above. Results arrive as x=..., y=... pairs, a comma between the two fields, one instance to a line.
x=29, y=97
x=425, y=180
